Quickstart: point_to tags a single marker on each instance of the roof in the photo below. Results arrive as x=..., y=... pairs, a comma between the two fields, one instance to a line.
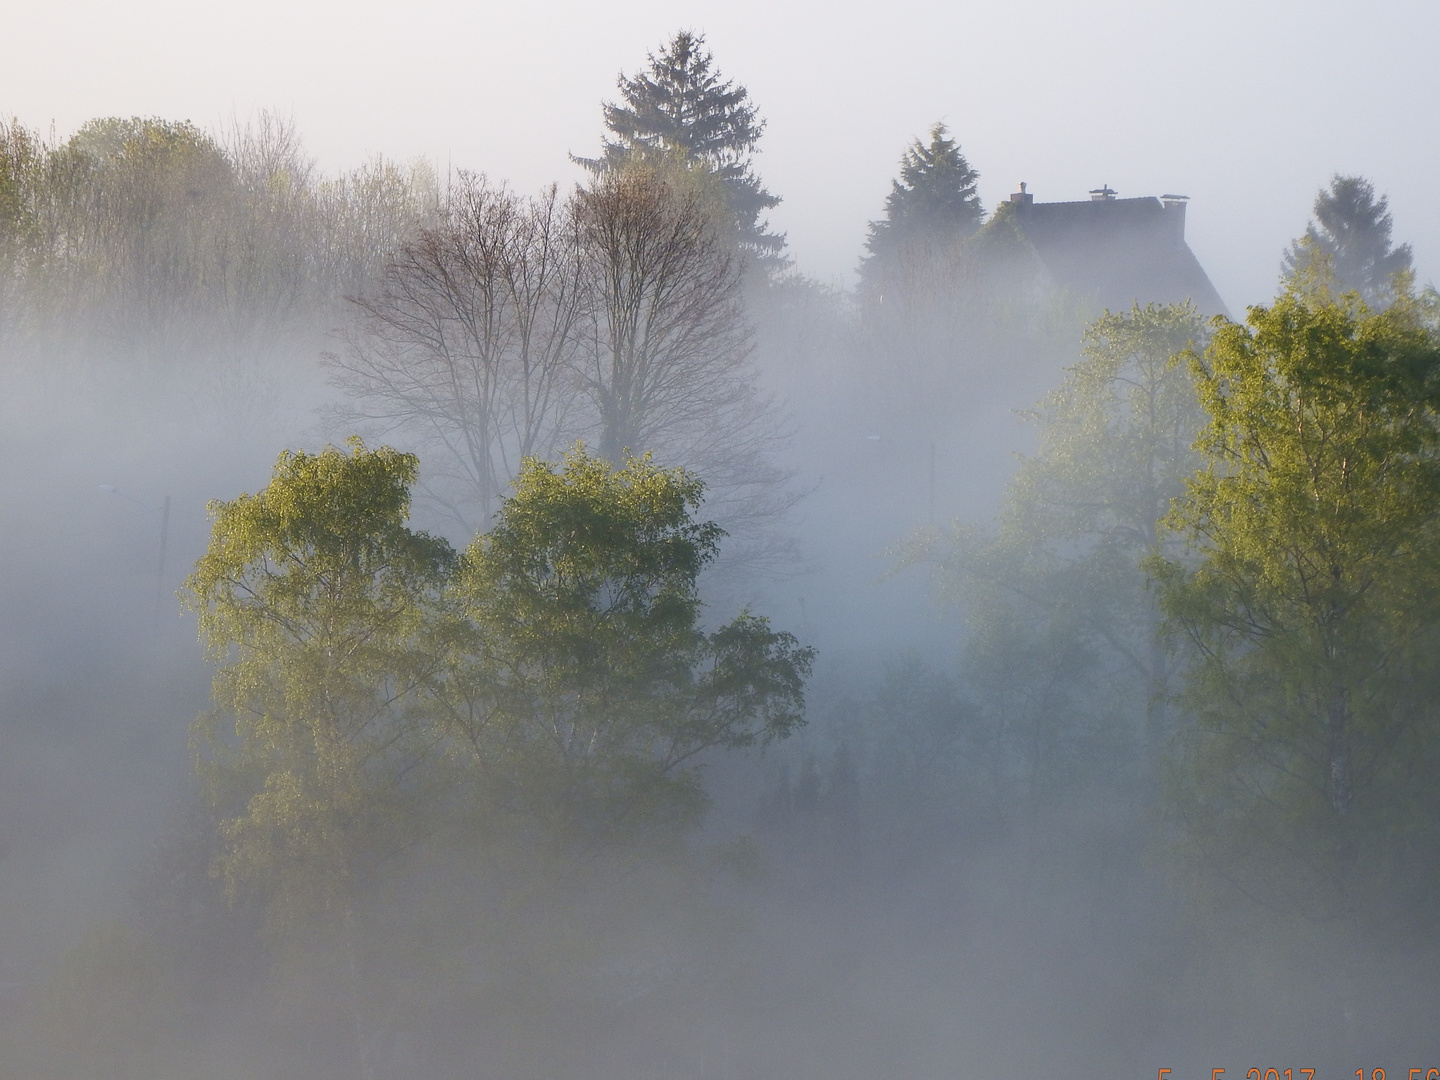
x=1117, y=252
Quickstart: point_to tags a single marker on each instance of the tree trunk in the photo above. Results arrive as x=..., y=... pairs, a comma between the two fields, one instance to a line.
x=1156, y=713
x=1337, y=716
x=362, y=1037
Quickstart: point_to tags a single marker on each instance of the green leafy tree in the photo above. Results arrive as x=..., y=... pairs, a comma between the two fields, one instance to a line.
x=682, y=110
x=1312, y=598
x=1350, y=236
x=162, y=246
x=590, y=688
x=1064, y=628
x=22, y=156
x=312, y=596
x=490, y=718
x=556, y=670
x=932, y=204
x=317, y=600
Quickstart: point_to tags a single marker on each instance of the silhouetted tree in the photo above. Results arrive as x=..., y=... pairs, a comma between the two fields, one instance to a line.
x=666, y=356
x=1351, y=230
x=680, y=108
x=470, y=341
x=934, y=202
x=669, y=341
x=1062, y=623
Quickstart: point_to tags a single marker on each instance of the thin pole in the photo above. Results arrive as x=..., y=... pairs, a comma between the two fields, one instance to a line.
x=932, y=481
x=160, y=568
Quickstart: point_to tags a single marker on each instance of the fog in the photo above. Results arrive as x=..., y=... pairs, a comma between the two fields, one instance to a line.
x=995, y=842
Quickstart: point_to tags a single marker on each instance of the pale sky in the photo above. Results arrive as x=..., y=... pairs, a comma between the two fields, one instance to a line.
x=1247, y=106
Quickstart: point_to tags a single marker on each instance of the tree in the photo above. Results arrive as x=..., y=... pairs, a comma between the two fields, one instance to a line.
x=316, y=600
x=933, y=204
x=471, y=341
x=1312, y=600
x=1064, y=627
x=547, y=694
x=22, y=155
x=590, y=689
x=1351, y=232
x=556, y=670
x=680, y=109
x=668, y=341
x=313, y=597
x=953, y=313
x=666, y=356
x=149, y=247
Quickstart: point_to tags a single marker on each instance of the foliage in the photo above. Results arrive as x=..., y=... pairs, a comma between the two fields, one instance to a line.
x=383, y=691
x=1312, y=599
x=1064, y=629
x=1350, y=239
x=21, y=156
x=592, y=688
x=680, y=109
x=313, y=594
x=933, y=203
x=156, y=243
x=954, y=312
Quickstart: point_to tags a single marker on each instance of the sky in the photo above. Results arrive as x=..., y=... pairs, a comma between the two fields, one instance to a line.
x=1247, y=107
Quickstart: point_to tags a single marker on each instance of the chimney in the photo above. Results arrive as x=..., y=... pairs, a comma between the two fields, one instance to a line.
x=1022, y=197
x=1103, y=193
x=1175, y=215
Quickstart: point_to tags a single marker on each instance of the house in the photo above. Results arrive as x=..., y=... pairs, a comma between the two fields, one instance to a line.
x=1108, y=252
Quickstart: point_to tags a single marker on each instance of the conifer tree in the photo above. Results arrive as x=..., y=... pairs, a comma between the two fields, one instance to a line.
x=681, y=109
x=933, y=202
x=1351, y=230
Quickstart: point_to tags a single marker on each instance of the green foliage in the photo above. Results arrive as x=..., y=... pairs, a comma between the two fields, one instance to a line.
x=680, y=109
x=155, y=243
x=1064, y=646
x=1349, y=240
x=1312, y=597
x=383, y=691
x=934, y=202
x=313, y=594
x=592, y=687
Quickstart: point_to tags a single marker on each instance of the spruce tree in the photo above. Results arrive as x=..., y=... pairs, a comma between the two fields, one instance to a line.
x=1351, y=230
x=933, y=202
x=682, y=108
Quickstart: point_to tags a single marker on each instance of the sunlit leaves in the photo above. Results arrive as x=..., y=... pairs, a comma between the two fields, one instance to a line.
x=592, y=685
x=1314, y=592
x=554, y=675
x=314, y=596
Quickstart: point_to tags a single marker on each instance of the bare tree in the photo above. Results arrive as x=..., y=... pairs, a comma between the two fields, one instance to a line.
x=667, y=342
x=468, y=342
x=518, y=325
x=667, y=348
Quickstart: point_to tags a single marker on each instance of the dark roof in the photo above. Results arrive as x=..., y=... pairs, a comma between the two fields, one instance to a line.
x=1118, y=252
